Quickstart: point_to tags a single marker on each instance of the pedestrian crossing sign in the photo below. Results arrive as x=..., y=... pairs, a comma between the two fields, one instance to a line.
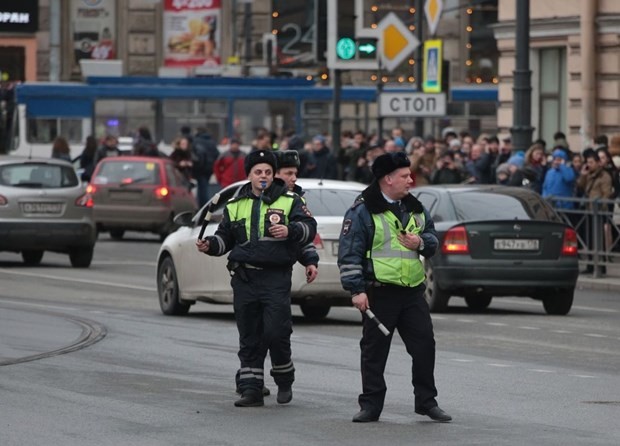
x=433, y=61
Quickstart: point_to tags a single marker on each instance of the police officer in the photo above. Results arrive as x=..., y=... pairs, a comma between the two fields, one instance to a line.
x=287, y=170
x=262, y=228
x=383, y=235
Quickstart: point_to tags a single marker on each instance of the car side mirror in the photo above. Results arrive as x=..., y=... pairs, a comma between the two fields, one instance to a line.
x=183, y=219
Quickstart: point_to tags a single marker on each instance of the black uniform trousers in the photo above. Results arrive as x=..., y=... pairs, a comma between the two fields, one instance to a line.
x=263, y=312
x=404, y=309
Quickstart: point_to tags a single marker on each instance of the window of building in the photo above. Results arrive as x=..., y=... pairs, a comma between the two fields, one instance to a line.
x=552, y=80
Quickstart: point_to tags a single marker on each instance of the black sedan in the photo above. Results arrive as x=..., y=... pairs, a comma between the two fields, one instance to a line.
x=498, y=241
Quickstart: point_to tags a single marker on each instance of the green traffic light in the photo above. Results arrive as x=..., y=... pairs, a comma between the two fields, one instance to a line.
x=367, y=48
x=345, y=48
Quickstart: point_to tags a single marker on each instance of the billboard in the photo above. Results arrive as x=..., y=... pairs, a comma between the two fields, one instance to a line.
x=191, y=33
x=93, y=29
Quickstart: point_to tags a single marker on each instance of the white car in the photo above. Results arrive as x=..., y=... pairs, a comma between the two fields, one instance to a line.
x=185, y=275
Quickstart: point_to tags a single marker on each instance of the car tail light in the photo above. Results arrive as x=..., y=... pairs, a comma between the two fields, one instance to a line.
x=161, y=193
x=90, y=189
x=455, y=241
x=570, y=245
x=317, y=242
x=85, y=200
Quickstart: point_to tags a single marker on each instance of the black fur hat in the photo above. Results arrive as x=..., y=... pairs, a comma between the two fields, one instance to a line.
x=260, y=156
x=388, y=163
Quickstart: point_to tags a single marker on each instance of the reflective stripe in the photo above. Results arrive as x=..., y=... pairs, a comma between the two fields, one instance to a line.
x=351, y=273
x=251, y=373
x=220, y=243
x=351, y=267
x=281, y=369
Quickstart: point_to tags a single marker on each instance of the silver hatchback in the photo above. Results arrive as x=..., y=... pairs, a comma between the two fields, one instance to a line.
x=44, y=207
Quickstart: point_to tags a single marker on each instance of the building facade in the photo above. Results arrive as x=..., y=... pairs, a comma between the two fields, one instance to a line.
x=575, y=62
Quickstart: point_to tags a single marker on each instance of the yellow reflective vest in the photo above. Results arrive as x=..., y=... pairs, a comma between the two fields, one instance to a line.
x=393, y=263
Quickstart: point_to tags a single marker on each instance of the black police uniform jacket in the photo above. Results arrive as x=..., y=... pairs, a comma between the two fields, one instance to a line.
x=252, y=246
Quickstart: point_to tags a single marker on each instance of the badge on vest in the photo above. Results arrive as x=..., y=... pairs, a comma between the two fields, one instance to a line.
x=273, y=217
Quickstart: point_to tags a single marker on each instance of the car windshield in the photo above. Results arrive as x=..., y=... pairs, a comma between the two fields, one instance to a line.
x=128, y=172
x=330, y=202
x=44, y=176
x=496, y=206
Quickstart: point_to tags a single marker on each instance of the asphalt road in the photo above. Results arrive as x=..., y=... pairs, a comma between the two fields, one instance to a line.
x=86, y=357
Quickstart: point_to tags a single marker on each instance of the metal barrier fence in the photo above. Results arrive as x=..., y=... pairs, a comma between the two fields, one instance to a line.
x=597, y=223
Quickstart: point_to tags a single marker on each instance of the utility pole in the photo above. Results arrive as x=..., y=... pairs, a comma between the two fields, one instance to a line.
x=336, y=121
x=419, y=63
x=55, y=18
x=522, y=89
x=247, y=35
x=379, y=91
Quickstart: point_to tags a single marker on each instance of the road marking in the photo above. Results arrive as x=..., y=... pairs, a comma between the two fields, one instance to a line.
x=467, y=321
x=583, y=376
x=541, y=371
x=561, y=331
x=462, y=360
x=496, y=324
x=85, y=281
x=526, y=327
x=492, y=364
x=595, y=335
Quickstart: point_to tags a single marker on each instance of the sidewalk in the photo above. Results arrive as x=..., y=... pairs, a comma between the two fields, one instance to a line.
x=608, y=282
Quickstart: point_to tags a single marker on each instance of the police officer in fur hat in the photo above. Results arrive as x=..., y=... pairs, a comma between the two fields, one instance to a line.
x=383, y=236
x=262, y=228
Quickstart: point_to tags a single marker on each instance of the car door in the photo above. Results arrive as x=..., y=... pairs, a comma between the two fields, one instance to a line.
x=205, y=275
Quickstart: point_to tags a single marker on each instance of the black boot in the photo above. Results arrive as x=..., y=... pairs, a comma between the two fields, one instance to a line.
x=285, y=394
x=250, y=398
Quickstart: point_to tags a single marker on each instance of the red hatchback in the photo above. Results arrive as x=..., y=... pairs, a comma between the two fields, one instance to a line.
x=138, y=193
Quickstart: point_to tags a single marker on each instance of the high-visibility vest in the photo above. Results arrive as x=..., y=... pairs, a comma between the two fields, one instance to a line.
x=393, y=263
x=242, y=209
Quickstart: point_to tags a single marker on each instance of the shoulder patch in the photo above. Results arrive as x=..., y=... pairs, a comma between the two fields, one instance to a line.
x=346, y=226
x=305, y=210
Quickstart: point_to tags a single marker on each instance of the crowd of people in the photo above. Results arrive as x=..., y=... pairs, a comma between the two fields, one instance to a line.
x=553, y=170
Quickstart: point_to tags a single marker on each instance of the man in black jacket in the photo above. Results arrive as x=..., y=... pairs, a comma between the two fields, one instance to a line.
x=262, y=228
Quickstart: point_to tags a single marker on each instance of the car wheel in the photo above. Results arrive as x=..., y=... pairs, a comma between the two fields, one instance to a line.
x=32, y=257
x=117, y=234
x=559, y=302
x=436, y=298
x=81, y=257
x=168, y=290
x=478, y=302
x=314, y=313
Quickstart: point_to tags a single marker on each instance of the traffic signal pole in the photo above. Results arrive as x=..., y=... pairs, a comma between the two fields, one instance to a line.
x=522, y=90
x=336, y=121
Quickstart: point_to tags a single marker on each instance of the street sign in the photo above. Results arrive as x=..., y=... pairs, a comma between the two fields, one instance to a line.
x=432, y=10
x=423, y=105
x=346, y=48
x=396, y=42
x=433, y=58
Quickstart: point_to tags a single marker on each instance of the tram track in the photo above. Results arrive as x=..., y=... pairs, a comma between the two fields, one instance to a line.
x=92, y=332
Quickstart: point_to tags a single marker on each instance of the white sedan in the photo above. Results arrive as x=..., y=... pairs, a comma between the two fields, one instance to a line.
x=185, y=275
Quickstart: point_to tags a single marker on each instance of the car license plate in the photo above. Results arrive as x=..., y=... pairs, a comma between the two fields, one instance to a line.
x=515, y=244
x=335, y=249
x=41, y=208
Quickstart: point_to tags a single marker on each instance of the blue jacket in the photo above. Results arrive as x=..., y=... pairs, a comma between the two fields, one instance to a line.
x=560, y=182
x=357, y=234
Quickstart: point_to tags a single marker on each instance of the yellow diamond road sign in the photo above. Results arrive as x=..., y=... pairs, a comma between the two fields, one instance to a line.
x=432, y=10
x=396, y=42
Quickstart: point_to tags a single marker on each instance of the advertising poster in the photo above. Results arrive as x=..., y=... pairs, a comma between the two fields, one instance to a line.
x=93, y=29
x=191, y=33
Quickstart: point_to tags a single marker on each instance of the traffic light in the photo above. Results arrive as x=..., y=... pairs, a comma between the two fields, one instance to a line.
x=349, y=45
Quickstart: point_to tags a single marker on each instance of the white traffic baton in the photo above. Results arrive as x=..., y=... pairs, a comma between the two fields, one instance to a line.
x=372, y=317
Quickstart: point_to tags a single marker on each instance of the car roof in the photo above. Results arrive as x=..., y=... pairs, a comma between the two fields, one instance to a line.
x=146, y=159
x=11, y=159
x=315, y=183
x=466, y=188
